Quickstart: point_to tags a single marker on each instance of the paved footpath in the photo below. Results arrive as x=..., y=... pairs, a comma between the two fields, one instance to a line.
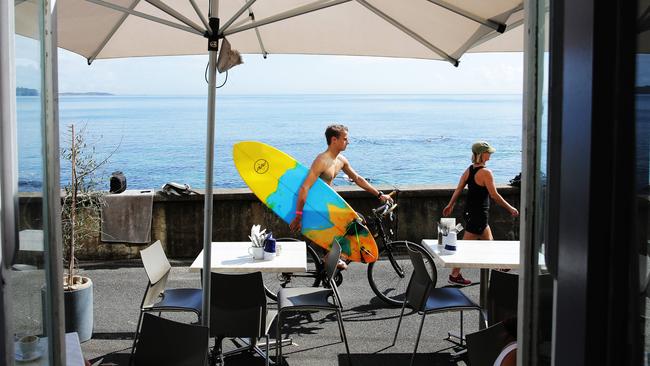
x=369, y=323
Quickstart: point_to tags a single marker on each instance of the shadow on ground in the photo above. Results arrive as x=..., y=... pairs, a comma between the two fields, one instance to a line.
x=243, y=359
x=395, y=359
x=112, y=359
x=358, y=359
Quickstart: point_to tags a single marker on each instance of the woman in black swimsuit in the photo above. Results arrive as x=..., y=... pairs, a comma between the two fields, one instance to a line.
x=480, y=185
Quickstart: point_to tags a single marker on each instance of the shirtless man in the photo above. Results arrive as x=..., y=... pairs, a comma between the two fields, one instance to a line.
x=326, y=166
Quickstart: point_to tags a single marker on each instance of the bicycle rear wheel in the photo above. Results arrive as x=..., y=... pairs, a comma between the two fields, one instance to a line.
x=389, y=276
x=273, y=282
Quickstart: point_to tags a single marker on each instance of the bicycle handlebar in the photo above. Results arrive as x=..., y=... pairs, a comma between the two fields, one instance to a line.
x=386, y=207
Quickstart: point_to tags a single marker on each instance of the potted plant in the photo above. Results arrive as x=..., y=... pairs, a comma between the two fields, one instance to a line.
x=80, y=220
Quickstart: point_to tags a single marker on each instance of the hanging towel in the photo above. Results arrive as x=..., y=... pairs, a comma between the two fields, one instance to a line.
x=126, y=218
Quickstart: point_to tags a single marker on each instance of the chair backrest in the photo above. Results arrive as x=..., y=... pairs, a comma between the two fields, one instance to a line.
x=484, y=346
x=155, y=262
x=237, y=305
x=332, y=260
x=157, y=268
x=166, y=342
x=331, y=268
x=502, y=296
x=420, y=283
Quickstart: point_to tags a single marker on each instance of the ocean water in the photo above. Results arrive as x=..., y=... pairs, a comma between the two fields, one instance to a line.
x=394, y=139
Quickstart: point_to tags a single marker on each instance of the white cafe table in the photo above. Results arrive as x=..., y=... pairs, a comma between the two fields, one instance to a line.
x=482, y=254
x=233, y=257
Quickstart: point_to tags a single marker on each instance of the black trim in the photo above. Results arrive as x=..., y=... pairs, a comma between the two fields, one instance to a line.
x=213, y=38
x=597, y=304
x=551, y=222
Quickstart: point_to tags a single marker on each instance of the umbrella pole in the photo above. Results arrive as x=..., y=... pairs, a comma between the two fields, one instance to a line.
x=209, y=164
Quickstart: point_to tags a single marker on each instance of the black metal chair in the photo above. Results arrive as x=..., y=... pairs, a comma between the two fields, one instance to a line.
x=307, y=299
x=484, y=346
x=502, y=296
x=425, y=298
x=238, y=309
x=166, y=342
x=156, y=297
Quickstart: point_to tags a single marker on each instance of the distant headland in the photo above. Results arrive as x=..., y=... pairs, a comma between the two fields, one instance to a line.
x=28, y=92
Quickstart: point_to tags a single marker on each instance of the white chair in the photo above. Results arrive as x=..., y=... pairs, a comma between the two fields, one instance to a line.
x=156, y=297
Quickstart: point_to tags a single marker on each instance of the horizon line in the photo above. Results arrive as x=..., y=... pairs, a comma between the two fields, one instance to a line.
x=280, y=94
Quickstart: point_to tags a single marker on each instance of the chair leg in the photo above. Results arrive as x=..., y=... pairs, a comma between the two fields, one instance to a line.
x=135, y=337
x=462, y=336
x=217, y=351
x=482, y=313
x=417, y=340
x=267, y=350
x=345, y=338
x=399, y=323
x=278, y=340
x=340, y=329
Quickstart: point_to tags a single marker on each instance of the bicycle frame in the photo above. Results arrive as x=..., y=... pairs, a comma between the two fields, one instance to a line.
x=386, y=238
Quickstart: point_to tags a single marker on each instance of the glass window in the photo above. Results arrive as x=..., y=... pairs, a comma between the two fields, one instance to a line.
x=28, y=273
x=538, y=319
x=544, y=281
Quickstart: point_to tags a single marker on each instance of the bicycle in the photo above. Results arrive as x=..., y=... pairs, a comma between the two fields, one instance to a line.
x=388, y=276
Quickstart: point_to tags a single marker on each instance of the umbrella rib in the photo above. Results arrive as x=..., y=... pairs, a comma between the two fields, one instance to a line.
x=145, y=16
x=491, y=35
x=257, y=32
x=111, y=33
x=237, y=14
x=198, y=12
x=180, y=17
x=499, y=27
x=409, y=32
x=318, y=5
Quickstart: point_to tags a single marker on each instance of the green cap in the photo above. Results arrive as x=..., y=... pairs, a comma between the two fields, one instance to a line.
x=479, y=147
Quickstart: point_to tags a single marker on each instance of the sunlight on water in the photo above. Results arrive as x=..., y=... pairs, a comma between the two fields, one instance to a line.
x=395, y=139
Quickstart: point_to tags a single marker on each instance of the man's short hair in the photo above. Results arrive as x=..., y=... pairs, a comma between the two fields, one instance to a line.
x=334, y=131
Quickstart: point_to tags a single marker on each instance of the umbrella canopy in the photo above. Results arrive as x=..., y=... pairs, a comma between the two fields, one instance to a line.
x=426, y=29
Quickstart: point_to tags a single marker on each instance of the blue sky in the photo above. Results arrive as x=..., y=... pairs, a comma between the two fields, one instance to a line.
x=278, y=74
x=288, y=74
x=500, y=73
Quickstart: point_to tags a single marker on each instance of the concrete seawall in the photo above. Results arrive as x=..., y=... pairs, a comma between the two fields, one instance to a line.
x=178, y=221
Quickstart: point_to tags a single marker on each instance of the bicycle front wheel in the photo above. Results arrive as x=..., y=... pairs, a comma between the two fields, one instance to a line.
x=273, y=282
x=389, y=276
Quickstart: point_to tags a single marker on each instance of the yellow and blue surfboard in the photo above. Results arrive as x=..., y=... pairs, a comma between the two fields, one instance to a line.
x=275, y=178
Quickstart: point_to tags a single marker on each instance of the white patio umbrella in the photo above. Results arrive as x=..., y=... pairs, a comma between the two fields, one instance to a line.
x=424, y=29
